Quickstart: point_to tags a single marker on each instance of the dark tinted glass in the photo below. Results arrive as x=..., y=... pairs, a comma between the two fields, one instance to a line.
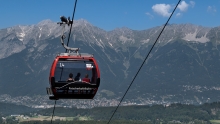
x=78, y=68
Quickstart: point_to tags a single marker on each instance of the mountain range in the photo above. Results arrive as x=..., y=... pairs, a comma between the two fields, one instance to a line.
x=183, y=66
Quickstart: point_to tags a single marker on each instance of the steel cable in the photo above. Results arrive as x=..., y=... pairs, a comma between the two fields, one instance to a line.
x=53, y=112
x=71, y=23
x=66, y=51
x=143, y=62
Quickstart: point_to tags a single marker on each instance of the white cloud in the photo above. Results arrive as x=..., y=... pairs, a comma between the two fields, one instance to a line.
x=166, y=9
x=178, y=14
x=150, y=15
x=183, y=6
x=211, y=9
x=162, y=9
x=192, y=3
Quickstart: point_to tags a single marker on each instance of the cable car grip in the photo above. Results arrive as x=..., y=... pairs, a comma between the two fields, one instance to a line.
x=65, y=21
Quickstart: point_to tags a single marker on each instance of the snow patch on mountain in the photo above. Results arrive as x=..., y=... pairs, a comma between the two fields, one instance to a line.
x=192, y=37
x=110, y=44
x=145, y=41
x=20, y=36
x=125, y=39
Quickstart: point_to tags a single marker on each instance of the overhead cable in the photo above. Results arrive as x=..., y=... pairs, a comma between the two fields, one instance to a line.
x=53, y=111
x=66, y=51
x=143, y=62
x=71, y=23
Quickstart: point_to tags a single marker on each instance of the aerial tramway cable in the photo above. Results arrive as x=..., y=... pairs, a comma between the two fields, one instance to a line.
x=53, y=111
x=143, y=62
x=71, y=23
x=66, y=51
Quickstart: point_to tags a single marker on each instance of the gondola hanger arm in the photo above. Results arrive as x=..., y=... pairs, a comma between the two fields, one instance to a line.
x=65, y=21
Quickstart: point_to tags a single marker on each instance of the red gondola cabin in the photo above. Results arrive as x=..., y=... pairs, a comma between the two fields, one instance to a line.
x=81, y=66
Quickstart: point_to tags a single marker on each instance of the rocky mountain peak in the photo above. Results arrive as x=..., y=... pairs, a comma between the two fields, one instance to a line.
x=45, y=22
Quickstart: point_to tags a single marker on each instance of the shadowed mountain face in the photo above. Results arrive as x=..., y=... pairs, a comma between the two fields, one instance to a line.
x=184, y=65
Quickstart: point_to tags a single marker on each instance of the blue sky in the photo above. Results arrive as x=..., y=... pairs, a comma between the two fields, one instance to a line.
x=111, y=14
